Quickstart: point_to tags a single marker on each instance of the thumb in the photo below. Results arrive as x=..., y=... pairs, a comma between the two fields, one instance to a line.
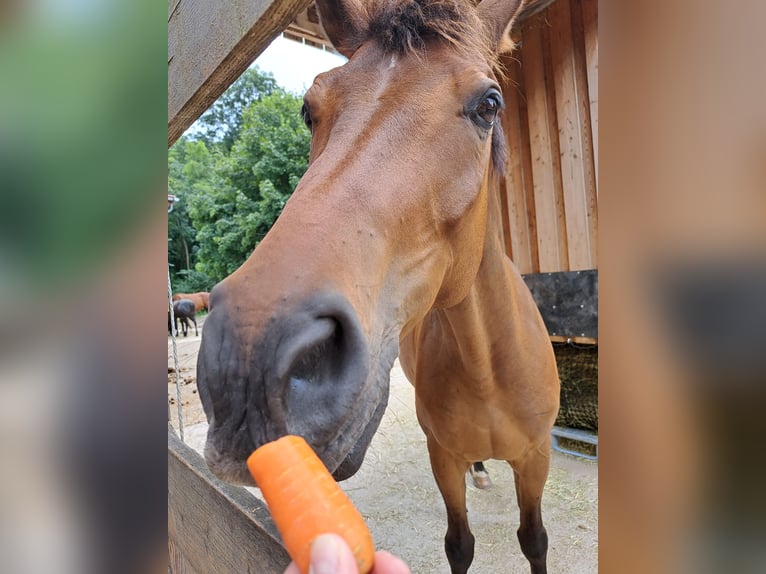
x=331, y=555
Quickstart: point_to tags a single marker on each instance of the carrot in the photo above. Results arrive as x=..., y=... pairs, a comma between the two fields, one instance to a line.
x=305, y=501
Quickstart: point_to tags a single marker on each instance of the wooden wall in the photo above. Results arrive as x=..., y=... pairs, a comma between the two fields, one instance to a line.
x=550, y=193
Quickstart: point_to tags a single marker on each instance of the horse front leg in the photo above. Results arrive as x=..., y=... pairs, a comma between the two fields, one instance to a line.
x=449, y=473
x=530, y=475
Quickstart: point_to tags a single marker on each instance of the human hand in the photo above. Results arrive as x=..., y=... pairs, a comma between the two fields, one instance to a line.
x=331, y=555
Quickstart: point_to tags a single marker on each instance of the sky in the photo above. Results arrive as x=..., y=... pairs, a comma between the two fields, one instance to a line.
x=295, y=65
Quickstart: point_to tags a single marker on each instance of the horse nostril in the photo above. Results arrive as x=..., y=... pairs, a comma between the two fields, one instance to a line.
x=321, y=366
x=314, y=355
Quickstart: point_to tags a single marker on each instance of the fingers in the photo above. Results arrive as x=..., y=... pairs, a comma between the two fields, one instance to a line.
x=386, y=563
x=331, y=555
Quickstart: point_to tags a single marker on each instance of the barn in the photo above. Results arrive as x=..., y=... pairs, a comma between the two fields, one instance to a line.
x=549, y=202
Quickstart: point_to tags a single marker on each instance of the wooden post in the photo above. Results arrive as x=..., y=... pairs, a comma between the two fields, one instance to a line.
x=213, y=526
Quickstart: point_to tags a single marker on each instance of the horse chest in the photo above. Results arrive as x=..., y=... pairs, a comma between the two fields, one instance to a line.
x=465, y=420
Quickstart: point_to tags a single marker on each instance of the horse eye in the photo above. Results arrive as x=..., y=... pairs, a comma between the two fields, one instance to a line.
x=487, y=108
x=306, y=115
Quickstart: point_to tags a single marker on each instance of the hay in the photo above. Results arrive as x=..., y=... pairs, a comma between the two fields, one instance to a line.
x=578, y=372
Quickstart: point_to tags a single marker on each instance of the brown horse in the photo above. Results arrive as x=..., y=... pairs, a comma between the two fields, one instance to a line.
x=392, y=244
x=201, y=299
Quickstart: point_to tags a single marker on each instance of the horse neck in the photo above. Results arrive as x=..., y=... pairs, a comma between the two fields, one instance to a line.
x=493, y=308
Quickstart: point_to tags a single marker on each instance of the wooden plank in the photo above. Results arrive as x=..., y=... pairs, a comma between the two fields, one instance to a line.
x=558, y=189
x=571, y=125
x=587, y=134
x=521, y=227
x=210, y=44
x=543, y=166
x=590, y=28
x=178, y=562
x=506, y=217
x=578, y=340
x=217, y=527
x=172, y=5
x=528, y=192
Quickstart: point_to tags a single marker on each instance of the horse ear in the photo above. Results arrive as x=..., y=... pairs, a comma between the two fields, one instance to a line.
x=344, y=23
x=497, y=16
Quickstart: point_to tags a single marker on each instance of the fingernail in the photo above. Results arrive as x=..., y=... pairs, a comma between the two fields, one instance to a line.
x=325, y=555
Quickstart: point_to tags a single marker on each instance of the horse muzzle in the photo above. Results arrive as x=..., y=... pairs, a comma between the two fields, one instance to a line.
x=303, y=371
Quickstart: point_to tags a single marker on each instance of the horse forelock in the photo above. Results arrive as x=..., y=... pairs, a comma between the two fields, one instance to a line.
x=404, y=26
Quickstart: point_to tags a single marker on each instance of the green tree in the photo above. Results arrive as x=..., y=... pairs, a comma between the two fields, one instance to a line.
x=180, y=231
x=222, y=123
x=236, y=201
x=190, y=166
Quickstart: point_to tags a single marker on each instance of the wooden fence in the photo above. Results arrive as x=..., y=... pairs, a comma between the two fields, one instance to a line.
x=214, y=527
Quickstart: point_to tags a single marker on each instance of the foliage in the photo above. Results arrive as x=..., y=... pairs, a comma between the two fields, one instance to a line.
x=191, y=281
x=231, y=196
x=181, y=237
x=189, y=167
x=222, y=123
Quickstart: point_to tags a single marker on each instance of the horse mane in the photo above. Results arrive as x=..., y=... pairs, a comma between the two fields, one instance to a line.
x=404, y=26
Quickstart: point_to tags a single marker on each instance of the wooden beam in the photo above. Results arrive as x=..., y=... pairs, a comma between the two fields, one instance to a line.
x=210, y=44
x=576, y=340
x=213, y=526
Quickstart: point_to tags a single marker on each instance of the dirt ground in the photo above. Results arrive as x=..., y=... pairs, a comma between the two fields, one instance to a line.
x=396, y=492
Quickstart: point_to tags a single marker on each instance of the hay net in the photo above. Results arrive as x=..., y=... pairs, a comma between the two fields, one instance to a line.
x=578, y=372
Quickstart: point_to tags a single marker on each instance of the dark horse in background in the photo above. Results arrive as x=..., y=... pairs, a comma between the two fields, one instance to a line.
x=185, y=311
x=201, y=300
x=392, y=245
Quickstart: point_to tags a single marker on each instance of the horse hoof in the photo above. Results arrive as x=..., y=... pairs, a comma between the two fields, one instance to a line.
x=481, y=479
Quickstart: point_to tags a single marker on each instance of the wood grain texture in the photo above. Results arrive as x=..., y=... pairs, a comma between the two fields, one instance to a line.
x=553, y=135
x=544, y=164
x=214, y=526
x=518, y=192
x=572, y=126
x=178, y=562
x=590, y=29
x=550, y=194
x=587, y=132
x=210, y=44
